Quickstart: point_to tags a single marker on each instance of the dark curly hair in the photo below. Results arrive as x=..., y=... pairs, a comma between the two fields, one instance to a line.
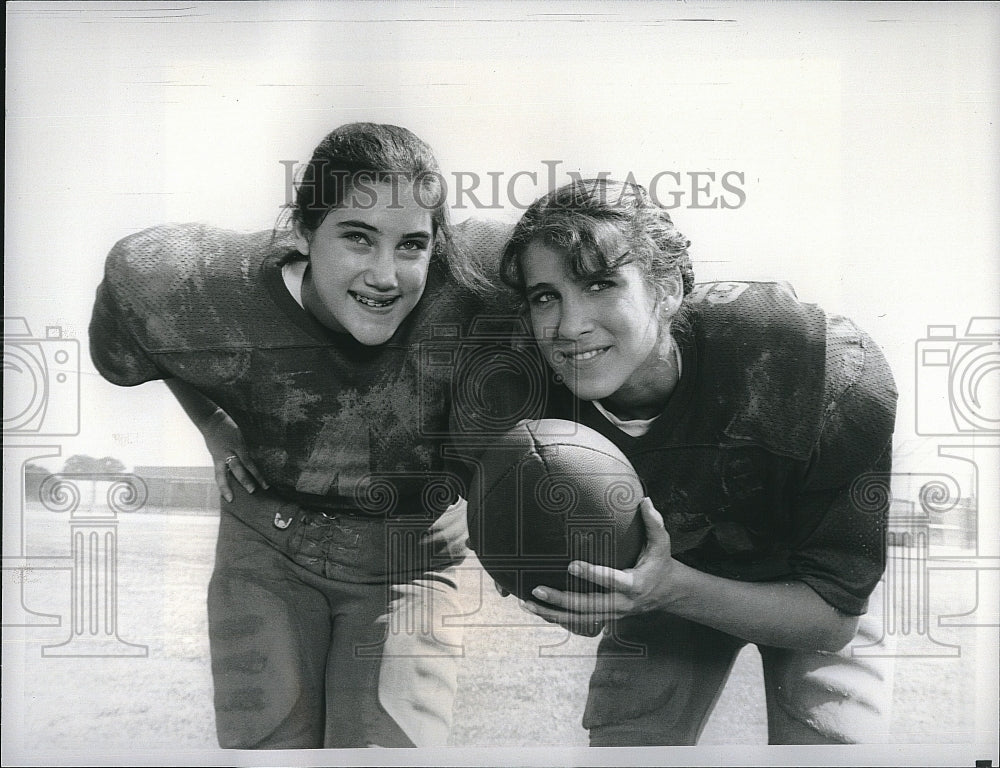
x=587, y=220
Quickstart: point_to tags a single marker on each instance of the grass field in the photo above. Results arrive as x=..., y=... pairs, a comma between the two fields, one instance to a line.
x=511, y=693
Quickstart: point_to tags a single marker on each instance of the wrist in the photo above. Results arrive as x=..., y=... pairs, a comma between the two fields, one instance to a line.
x=212, y=418
x=680, y=588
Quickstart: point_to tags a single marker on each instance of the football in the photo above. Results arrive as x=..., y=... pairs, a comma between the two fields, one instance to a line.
x=548, y=492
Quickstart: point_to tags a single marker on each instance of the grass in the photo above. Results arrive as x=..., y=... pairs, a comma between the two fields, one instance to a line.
x=511, y=693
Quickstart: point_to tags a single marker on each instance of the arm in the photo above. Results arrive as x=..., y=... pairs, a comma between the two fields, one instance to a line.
x=222, y=436
x=785, y=614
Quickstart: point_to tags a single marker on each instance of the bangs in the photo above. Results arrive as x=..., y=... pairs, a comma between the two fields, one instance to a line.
x=591, y=247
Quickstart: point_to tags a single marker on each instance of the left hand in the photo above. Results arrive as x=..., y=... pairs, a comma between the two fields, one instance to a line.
x=449, y=532
x=643, y=588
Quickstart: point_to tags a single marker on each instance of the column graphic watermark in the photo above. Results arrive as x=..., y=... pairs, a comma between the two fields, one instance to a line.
x=42, y=400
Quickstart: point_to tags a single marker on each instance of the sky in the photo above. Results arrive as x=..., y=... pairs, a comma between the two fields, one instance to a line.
x=863, y=139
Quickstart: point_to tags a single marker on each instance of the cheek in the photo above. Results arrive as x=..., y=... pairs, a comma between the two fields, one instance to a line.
x=329, y=280
x=541, y=329
x=412, y=277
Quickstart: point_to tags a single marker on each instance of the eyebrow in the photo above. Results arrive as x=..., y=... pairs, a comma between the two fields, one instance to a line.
x=358, y=224
x=538, y=287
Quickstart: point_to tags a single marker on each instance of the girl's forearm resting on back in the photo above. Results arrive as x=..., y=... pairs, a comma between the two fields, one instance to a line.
x=222, y=437
x=198, y=407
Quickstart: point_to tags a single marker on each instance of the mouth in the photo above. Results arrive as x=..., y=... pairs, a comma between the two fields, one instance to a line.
x=563, y=356
x=373, y=303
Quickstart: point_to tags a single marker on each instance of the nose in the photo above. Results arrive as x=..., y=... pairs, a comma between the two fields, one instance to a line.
x=574, y=319
x=381, y=273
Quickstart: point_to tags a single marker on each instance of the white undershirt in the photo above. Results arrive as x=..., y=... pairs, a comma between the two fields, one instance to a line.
x=635, y=427
x=293, y=273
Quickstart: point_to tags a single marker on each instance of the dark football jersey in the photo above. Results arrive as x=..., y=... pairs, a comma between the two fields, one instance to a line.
x=330, y=422
x=779, y=410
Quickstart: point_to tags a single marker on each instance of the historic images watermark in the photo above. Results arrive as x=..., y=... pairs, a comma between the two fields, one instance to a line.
x=499, y=190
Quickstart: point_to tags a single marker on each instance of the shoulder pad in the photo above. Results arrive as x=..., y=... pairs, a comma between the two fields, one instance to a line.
x=763, y=357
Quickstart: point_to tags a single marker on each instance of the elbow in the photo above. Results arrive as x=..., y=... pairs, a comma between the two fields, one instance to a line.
x=838, y=632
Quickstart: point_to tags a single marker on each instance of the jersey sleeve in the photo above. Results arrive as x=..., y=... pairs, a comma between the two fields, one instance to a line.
x=115, y=349
x=841, y=510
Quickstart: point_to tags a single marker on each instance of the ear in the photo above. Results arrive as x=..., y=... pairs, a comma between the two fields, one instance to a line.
x=671, y=291
x=302, y=238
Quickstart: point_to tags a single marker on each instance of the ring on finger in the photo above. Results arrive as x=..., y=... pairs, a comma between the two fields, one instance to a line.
x=229, y=459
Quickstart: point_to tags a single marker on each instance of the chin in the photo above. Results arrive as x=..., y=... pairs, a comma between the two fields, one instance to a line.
x=373, y=339
x=372, y=336
x=592, y=391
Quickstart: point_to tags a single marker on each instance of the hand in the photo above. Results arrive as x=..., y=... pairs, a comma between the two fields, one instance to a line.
x=643, y=588
x=449, y=533
x=230, y=455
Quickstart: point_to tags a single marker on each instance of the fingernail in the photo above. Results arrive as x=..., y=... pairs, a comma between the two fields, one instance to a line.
x=251, y=489
x=540, y=593
x=228, y=497
x=575, y=569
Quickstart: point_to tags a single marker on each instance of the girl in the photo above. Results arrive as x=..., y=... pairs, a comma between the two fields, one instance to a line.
x=749, y=416
x=298, y=358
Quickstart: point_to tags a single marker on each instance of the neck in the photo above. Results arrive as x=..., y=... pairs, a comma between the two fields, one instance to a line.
x=645, y=395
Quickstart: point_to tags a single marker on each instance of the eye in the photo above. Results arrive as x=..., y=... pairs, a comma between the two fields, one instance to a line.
x=413, y=245
x=357, y=237
x=594, y=286
x=542, y=297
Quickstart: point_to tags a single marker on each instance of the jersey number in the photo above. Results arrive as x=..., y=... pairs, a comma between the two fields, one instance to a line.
x=717, y=293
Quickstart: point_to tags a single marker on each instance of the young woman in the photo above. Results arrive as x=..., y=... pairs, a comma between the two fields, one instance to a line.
x=299, y=359
x=751, y=418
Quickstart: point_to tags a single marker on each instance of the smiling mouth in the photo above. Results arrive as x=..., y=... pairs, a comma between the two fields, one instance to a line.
x=373, y=303
x=580, y=357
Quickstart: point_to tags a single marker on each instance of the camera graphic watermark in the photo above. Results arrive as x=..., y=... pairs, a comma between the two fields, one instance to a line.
x=489, y=379
x=42, y=400
x=943, y=518
x=958, y=379
x=41, y=390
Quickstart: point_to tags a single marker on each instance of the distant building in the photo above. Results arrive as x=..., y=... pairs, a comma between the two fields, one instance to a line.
x=179, y=488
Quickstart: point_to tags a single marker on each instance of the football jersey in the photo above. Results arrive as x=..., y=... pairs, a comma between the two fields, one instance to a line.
x=780, y=409
x=330, y=422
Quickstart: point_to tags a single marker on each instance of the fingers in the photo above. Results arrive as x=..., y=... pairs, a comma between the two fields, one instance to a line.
x=610, y=578
x=585, y=624
x=591, y=629
x=235, y=466
x=656, y=532
x=252, y=469
x=603, y=605
x=222, y=480
x=238, y=470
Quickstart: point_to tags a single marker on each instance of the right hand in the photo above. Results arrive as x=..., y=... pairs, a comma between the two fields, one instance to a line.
x=225, y=441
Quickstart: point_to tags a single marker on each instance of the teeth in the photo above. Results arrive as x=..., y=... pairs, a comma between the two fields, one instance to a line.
x=562, y=356
x=372, y=302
